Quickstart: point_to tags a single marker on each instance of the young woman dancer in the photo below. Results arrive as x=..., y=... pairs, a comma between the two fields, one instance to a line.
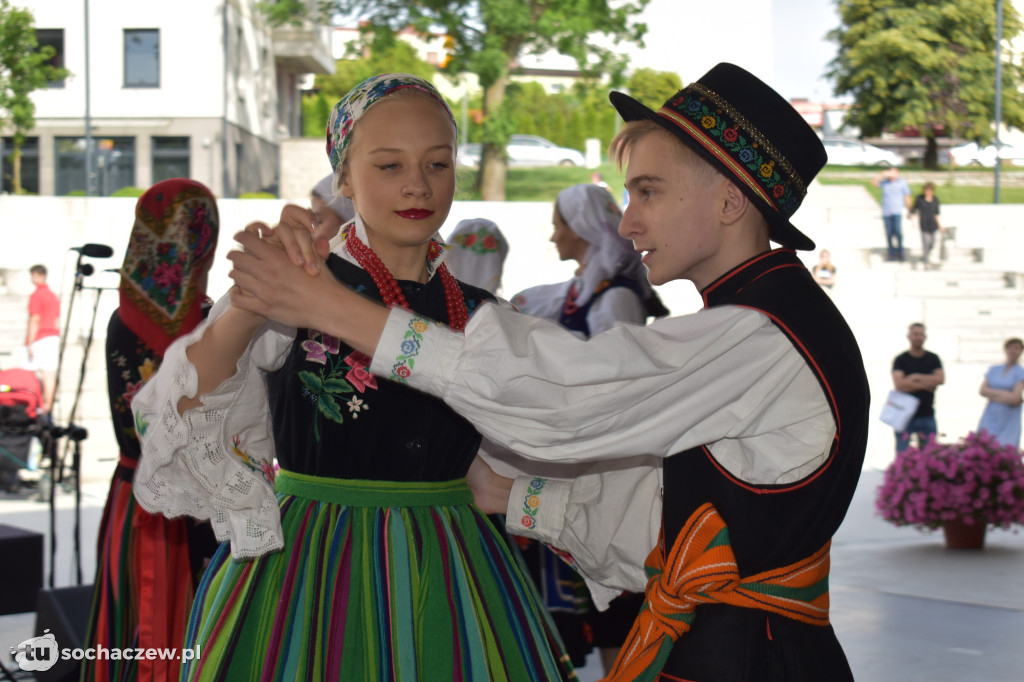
x=147, y=566
x=363, y=557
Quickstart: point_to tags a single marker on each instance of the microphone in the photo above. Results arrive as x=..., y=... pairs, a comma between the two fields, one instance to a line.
x=86, y=269
x=94, y=250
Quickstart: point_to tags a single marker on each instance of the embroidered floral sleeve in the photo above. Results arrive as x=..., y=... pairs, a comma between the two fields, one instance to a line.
x=405, y=361
x=602, y=523
x=531, y=502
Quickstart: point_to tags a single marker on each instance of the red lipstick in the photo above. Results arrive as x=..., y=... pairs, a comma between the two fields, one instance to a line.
x=414, y=213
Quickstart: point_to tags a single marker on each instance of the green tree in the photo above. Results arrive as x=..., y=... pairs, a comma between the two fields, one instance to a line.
x=653, y=88
x=394, y=56
x=385, y=55
x=925, y=65
x=488, y=37
x=24, y=68
x=567, y=119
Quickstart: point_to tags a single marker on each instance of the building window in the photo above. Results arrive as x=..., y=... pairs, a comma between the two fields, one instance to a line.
x=142, y=58
x=241, y=57
x=54, y=37
x=170, y=158
x=113, y=165
x=29, y=165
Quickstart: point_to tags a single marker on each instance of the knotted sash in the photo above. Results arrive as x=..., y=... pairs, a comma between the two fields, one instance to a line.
x=702, y=570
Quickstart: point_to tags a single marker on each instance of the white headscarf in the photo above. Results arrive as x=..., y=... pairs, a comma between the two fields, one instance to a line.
x=340, y=204
x=477, y=252
x=591, y=212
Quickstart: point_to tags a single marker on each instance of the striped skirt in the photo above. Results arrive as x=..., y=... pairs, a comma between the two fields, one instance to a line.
x=143, y=587
x=378, y=580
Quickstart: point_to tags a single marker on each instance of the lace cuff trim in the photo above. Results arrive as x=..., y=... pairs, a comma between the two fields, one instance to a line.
x=216, y=461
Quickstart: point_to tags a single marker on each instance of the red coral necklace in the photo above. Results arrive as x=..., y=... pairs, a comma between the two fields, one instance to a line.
x=392, y=294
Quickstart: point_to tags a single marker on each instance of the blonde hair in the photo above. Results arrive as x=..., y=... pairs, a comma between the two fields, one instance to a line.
x=635, y=131
x=703, y=172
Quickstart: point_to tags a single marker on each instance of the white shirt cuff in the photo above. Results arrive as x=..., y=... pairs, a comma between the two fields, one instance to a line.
x=536, y=508
x=416, y=351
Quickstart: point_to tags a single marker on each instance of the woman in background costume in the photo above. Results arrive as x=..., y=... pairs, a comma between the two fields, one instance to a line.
x=148, y=566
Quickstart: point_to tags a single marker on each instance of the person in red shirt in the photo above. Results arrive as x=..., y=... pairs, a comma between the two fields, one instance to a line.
x=42, y=340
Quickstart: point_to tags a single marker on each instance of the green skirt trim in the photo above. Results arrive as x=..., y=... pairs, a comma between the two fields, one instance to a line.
x=363, y=493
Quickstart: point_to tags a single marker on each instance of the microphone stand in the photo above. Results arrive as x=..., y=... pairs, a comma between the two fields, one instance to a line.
x=51, y=434
x=77, y=434
x=51, y=437
x=50, y=448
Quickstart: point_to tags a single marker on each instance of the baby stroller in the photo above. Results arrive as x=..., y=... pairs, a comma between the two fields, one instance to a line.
x=20, y=398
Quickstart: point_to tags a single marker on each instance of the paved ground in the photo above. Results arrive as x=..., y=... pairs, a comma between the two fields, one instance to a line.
x=905, y=607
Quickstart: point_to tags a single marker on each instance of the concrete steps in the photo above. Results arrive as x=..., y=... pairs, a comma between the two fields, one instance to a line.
x=969, y=308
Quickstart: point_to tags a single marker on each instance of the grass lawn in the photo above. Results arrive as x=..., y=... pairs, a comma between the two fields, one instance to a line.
x=544, y=184
x=539, y=184
x=947, y=194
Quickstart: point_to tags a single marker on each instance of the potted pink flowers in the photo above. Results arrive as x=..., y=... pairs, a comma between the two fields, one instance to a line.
x=960, y=487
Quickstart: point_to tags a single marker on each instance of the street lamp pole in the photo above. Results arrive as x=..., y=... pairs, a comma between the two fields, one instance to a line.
x=88, y=119
x=999, y=92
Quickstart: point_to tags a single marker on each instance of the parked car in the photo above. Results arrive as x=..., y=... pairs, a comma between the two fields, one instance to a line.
x=843, y=152
x=971, y=155
x=525, y=150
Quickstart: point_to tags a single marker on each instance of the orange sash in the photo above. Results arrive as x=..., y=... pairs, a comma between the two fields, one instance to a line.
x=702, y=570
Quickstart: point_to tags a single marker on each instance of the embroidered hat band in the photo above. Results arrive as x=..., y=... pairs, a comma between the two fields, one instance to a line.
x=750, y=134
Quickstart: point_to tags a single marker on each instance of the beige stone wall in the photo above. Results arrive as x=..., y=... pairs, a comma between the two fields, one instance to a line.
x=303, y=163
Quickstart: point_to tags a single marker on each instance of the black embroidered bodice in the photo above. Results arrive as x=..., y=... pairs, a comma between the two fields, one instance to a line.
x=332, y=418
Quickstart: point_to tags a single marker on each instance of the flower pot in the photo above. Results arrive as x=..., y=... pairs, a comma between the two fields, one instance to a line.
x=960, y=535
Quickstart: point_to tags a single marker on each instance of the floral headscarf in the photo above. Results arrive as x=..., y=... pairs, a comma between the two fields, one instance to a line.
x=352, y=106
x=477, y=251
x=170, y=249
x=591, y=212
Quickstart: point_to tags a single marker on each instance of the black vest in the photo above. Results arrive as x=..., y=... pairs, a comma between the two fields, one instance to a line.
x=774, y=525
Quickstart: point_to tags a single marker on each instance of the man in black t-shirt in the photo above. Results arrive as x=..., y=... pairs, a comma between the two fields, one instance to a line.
x=918, y=372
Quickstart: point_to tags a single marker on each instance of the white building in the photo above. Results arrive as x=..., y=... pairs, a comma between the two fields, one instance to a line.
x=207, y=91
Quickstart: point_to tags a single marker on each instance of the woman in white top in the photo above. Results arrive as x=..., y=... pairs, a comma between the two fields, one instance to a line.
x=610, y=284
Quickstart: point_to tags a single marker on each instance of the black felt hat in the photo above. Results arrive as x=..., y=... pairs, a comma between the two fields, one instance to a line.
x=750, y=134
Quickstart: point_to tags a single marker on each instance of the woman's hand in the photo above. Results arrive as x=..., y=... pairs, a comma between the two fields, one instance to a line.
x=490, y=491
x=295, y=234
x=265, y=233
x=268, y=284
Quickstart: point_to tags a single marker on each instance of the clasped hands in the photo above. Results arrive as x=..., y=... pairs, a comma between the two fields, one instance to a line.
x=276, y=273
